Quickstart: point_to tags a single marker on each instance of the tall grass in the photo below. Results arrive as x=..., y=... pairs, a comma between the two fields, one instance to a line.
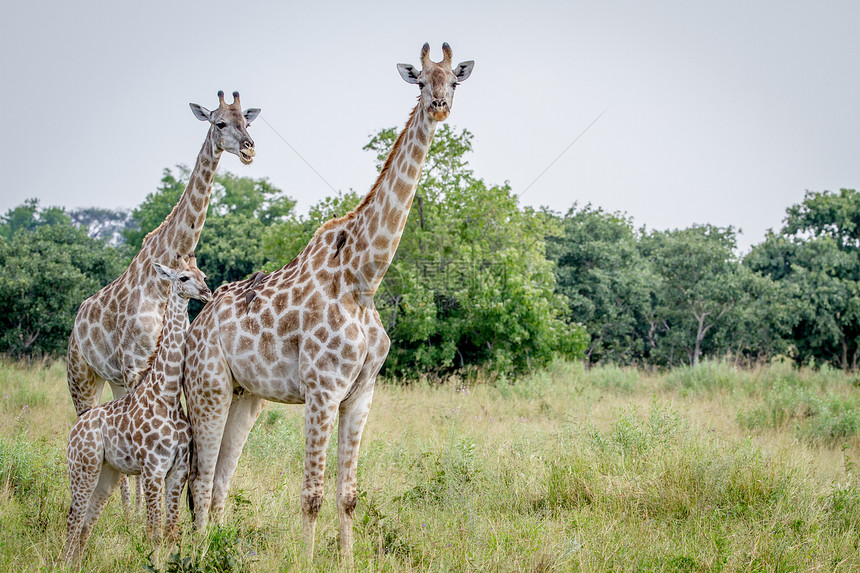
x=563, y=470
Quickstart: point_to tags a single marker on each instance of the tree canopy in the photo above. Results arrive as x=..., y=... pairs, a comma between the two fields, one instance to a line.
x=48, y=266
x=816, y=256
x=479, y=280
x=470, y=284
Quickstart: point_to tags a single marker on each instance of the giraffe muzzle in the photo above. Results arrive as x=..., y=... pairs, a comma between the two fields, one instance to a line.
x=247, y=153
x=439, y=110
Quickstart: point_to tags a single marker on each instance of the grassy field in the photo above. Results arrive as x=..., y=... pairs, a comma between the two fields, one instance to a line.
x=706, y=469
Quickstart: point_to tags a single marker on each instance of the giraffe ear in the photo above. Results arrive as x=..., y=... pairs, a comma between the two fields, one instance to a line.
x=464, y=70
x=251, y=114
x=201, y=112
x=163, y=272
x=408, y=73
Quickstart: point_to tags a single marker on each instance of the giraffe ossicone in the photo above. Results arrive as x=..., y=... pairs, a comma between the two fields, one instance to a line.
x=145, y=432
x=309, y=332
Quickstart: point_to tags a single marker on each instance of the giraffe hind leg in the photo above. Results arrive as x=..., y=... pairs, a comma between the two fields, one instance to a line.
x=83, y=482
x=107, y=482
x=85, y=386
x=244, y=411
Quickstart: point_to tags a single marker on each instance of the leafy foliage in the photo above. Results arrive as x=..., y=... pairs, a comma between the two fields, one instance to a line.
x=240, y=211
x=817, y=257
x=105, y=224
x=28, y=217
x=606, y=280
x=700, y=283
x=47, y=268
x=480, y=281
x=470, y=284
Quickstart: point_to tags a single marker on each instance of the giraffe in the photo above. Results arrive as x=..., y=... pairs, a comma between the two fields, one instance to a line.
x=310, y=333
x=144, y=432
x=116, y=329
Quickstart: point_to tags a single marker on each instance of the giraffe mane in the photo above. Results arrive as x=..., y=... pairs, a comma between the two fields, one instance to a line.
x=163, y=223
x=389, y=161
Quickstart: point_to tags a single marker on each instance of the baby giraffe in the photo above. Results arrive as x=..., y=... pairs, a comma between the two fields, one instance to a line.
x=145, y=432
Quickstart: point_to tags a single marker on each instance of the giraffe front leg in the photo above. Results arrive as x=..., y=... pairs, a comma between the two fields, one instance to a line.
x=153, y=486
x=353, y=416
x=125, y=495
x=173, y=485
x=118, y=391
x=244, y=411
x=319, y=423
x=208, y=395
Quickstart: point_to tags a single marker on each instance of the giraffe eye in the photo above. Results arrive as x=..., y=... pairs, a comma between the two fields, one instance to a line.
x=221, y=125
x=421, y=85
x=183, y=279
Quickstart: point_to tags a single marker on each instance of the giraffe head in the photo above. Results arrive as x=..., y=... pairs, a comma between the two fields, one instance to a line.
x=188, y=281
x=437, y=80
x=230, y=124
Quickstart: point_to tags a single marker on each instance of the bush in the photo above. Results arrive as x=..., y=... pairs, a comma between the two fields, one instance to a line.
x=707, y=376
x=825, y=418
x=45, y=274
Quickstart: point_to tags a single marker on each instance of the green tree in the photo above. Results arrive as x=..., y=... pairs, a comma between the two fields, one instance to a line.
x=700, y=282
x=240, y=211
x=47, y=268
x=470, y=284
x=100, y=223
x=155, y=207
x=284, y=239
x=605, y=279
x=816, y=257
x=29, y=216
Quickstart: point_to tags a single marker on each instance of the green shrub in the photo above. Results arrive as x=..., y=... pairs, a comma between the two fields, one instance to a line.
x=24, y=466
x=614, y=378
x=843, y=507
x=707, y=376
x=826, y=418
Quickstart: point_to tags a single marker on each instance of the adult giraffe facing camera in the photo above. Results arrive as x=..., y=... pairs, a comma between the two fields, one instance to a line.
x=309, y=332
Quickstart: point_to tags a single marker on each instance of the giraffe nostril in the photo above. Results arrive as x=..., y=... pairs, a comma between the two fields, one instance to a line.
x=249, y=144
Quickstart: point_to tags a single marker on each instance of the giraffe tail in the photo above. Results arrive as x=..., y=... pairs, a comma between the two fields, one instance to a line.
x=192, y=476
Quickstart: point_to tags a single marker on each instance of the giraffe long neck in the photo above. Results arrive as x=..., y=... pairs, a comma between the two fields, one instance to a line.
x=179, y=233
x=381, y=216
x=166, y=373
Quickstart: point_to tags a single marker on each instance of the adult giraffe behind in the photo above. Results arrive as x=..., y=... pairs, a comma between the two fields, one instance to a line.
x=310, y=333
x=116, y=329
x=145, y=432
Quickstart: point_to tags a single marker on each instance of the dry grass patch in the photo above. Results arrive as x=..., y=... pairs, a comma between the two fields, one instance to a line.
x=567, y=469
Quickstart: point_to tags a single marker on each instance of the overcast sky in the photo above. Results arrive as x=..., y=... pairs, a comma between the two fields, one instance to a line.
x=717, y=112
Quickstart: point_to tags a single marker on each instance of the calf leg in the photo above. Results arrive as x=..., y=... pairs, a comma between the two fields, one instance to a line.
x=108, y=480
